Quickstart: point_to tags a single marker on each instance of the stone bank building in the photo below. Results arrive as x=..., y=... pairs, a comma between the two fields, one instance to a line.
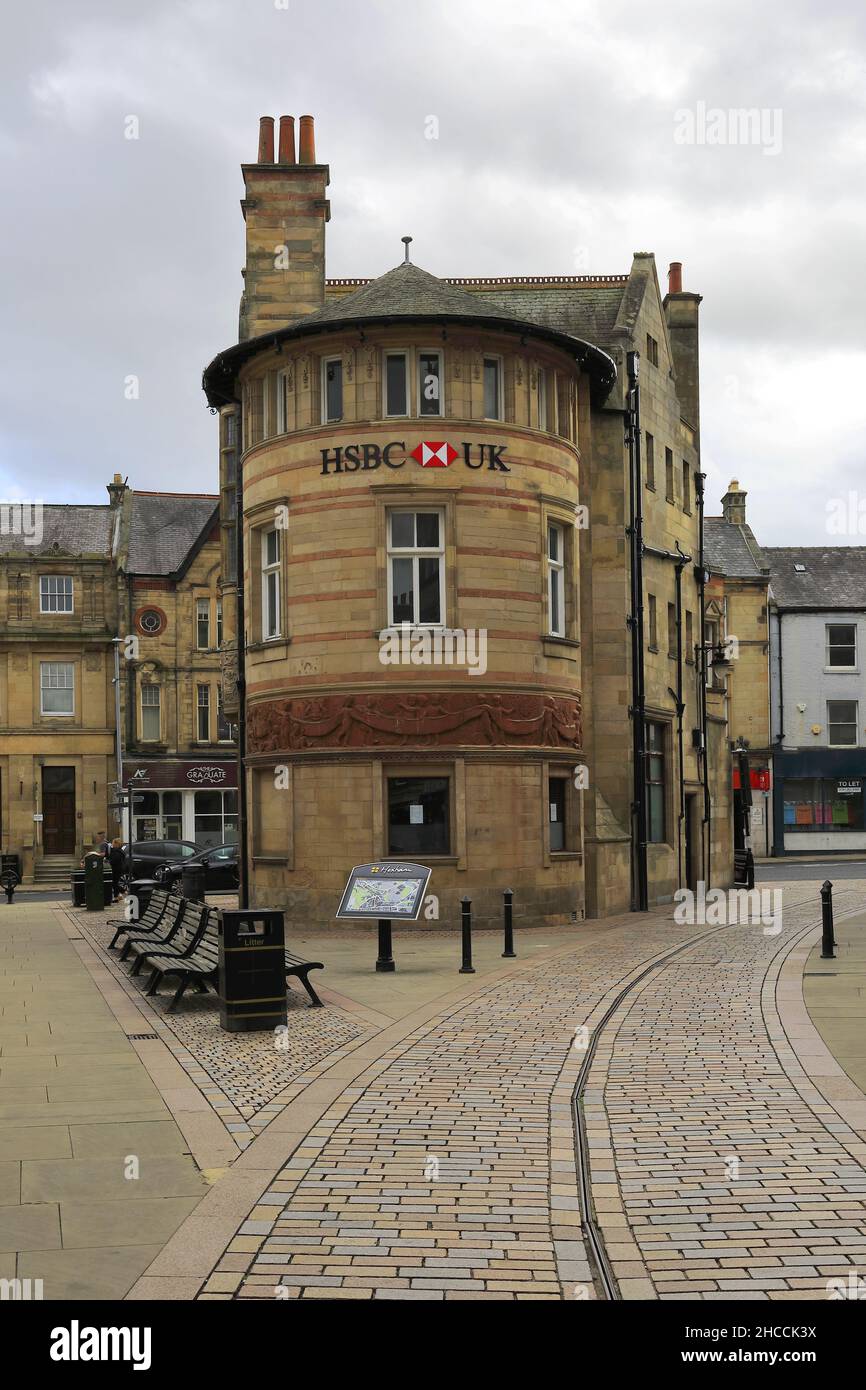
x=512, y=464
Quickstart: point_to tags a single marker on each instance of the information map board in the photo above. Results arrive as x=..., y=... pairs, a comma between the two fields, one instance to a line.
x=387, y=889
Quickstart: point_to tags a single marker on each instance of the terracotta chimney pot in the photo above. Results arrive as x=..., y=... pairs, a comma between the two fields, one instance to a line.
x=287, y=140
x=266, y=140
x=675, y=277
x=307, y=154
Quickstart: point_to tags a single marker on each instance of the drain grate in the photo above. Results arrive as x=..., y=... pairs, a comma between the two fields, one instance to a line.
x=143, y=1037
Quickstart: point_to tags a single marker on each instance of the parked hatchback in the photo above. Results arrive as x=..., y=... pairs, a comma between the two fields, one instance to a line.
x=220, y=865
x=144, y=856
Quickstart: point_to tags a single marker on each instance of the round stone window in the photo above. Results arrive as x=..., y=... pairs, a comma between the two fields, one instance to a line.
x=150, y=621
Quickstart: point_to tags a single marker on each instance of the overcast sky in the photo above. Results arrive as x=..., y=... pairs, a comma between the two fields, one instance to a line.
x=560, y=150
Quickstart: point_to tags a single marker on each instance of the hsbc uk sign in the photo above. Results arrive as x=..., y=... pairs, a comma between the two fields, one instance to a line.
x=429, y=453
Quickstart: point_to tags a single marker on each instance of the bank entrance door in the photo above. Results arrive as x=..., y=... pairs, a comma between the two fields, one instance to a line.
x=58, y=810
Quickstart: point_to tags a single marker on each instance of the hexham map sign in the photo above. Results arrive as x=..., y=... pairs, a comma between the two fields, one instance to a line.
x=387, y=890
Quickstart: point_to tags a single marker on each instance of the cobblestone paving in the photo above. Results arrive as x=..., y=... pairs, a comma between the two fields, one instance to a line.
x=447, y=1170
x=732, y=1185
x=241, y=1074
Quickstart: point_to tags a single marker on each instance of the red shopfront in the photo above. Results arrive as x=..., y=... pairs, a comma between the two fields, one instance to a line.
x=184, y=800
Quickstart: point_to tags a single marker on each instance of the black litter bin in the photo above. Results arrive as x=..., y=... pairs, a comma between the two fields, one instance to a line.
x=78, y=895
x=10, y=861
x=192, y=881
x=140, y=889
x=252, y=970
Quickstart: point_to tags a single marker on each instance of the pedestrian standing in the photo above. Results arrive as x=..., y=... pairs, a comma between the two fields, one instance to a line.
x=115, y=859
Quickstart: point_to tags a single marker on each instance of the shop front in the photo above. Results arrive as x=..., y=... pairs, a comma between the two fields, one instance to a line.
x=819, y=801
x=184, y=800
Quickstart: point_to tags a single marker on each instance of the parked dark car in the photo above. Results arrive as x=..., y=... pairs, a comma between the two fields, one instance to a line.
x=220, y=864
x=144, y=856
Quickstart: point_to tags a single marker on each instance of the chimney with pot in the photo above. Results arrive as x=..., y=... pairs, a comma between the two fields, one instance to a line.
x=734, y=504
x=681, y=312
x=285, y=210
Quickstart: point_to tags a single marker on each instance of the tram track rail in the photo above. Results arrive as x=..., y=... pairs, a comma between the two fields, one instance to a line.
x=600, y=1262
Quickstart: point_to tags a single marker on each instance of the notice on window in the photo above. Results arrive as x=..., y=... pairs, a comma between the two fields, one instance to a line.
x=416, y=815
x=553, y=810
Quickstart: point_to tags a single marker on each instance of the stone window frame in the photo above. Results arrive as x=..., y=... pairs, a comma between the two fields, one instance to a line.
x=255, y=775
x=415, y=497
x=454, y=768
x=257, y=520
x=324, y=363
x=554, y=769
x=664, y=719
x=56, y=612
x=149, y=684
x=57, y=660
x=560, y=512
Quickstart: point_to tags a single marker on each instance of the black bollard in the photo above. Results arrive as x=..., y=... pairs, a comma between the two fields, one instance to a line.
x=385, y=960
x=467, y=967
x=508, y=923
x=828, y=944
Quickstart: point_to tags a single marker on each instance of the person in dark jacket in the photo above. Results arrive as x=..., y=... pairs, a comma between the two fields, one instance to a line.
x=116, y=860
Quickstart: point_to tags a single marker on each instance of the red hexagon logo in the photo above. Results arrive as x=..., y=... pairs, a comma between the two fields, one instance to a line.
x=434, y=454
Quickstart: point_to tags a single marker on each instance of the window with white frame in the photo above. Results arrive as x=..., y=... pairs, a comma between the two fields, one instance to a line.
x=841, y=646
x=332, y=389
x=267, y=387
x=203, y=714
x=429, y=383
x=842, y=723
x=493, y=388
x=202, y=624
x=416, y=567
x=396, y=384
x=219, y=622
x=270, y=584
x=150, y=721
x=57, y=684
x=55, y=593
x=556, y=579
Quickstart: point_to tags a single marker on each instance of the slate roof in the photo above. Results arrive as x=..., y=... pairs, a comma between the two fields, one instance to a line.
x=835, y=576
x=585, y=310
x=407, y=292
x=163, y=529
x=66, y=530
x=726, y=549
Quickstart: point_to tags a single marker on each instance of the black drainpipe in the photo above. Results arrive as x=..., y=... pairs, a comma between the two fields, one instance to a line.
x=243, y=861
x=680, y=560
x=704, y=671
x=640, y=893
x=780, y=736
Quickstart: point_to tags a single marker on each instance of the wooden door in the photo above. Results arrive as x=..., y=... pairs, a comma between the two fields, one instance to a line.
x=58, y=810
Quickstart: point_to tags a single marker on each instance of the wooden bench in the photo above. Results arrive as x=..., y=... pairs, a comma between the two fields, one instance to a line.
x=190, y=925
x=149, y=919
x=299, y=968
x=163, y=931
x=200, y=967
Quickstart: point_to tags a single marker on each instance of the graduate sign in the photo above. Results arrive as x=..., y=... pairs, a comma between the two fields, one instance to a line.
x=385, y=890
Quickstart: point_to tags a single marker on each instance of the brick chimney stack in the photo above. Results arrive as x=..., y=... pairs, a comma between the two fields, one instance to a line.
x=285, y=210
x=734, y=504
x=681, y=312
x=116, y=489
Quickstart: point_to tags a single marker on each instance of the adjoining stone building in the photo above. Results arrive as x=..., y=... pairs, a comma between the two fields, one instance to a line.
x=737, y=636
x=144, y=569
x=423, y=462
x=58, y=614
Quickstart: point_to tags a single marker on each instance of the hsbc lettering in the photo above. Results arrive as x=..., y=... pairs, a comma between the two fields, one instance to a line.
x=354, y=458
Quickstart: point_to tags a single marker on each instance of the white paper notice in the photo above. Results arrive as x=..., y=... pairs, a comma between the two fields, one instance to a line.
x=416, y=815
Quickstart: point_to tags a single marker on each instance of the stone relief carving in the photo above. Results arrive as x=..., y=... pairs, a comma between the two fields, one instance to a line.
x=392, y=720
